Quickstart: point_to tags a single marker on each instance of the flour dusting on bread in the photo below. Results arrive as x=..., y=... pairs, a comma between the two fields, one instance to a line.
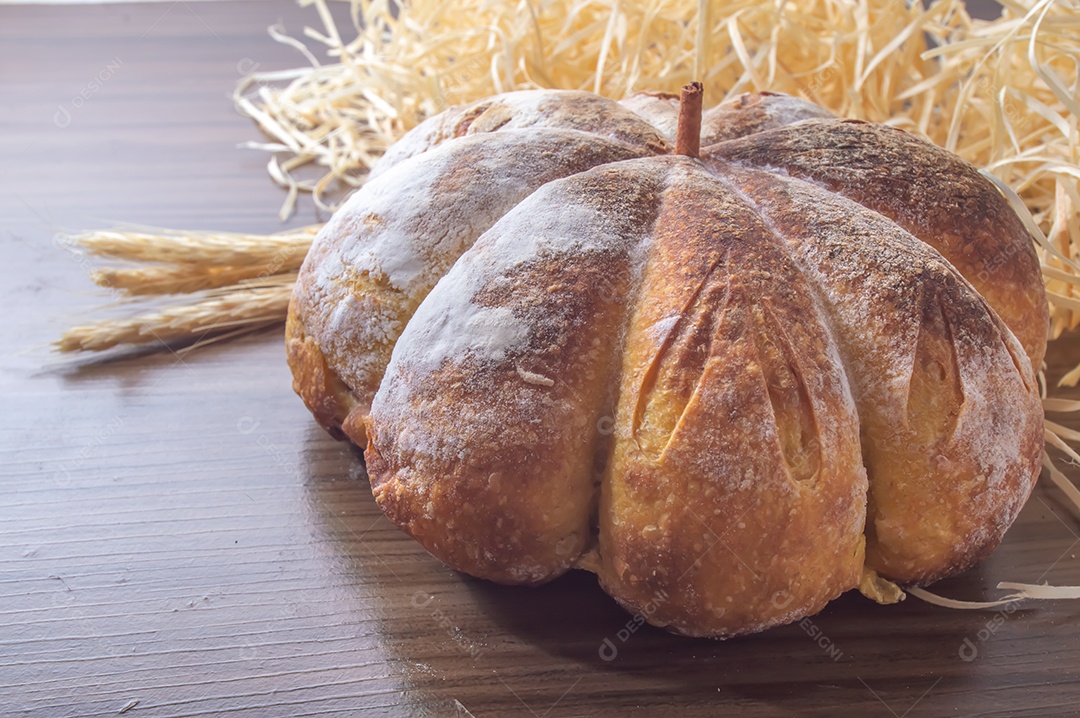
x=740, y=382
x=380, y=255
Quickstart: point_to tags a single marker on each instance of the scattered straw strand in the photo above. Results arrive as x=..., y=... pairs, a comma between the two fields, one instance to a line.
x=1020, y=592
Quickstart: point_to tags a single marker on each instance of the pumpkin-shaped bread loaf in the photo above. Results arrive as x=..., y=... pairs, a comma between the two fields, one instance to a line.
x=734, y=382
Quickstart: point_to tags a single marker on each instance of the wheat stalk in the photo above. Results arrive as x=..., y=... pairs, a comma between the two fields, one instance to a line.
x=234, y=282
x=237, y=307
x=185, y=278
x=196, y=248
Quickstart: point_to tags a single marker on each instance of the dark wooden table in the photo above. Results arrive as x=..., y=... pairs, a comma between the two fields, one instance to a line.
x=178, y=532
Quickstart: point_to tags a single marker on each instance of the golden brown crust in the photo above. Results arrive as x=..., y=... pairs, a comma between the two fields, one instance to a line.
x=735, y=497
x=951, y=418
x=324, y=394
x=728, y=369
x=933, y=194
x=535, y=109
x=754, y=112
x=380, y=255
x=482, y=443
x=757, y=286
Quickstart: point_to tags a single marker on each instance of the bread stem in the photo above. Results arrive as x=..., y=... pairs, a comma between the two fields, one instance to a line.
x=688, y=134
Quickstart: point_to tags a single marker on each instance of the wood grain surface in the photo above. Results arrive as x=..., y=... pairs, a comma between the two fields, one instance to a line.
x=178, y=538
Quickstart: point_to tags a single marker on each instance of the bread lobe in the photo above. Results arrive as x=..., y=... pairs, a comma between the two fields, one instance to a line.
x=326, y=396
x=536, y=109
x=950, y=414
x=490, y=468
x=735, y=414
x=931, y=193
x=751, y=113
